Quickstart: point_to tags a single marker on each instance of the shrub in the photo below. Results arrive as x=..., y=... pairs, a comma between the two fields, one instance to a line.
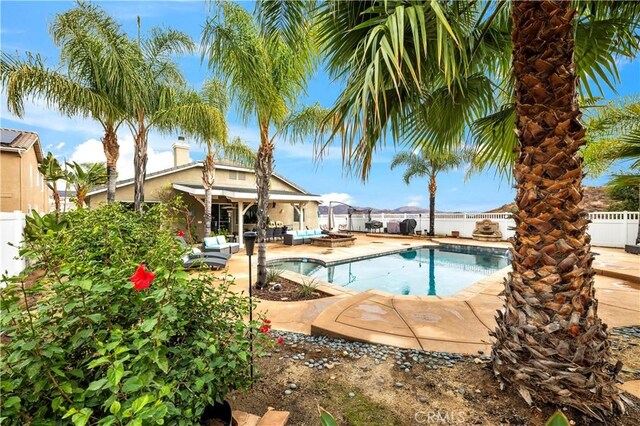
x=86, y=344
x=308, y=287
x=273, y=274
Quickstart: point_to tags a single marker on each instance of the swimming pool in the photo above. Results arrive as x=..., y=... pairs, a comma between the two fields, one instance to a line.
x=425, y=271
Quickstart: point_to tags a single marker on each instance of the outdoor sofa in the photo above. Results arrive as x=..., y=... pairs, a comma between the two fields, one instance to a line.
x=303, y=236
x=219, y=244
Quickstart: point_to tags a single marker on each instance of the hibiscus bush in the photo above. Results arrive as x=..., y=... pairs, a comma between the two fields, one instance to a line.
x=107, y=328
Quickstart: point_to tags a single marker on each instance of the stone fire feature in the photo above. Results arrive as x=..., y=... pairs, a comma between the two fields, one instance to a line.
x=334, y=240
x=487, y=230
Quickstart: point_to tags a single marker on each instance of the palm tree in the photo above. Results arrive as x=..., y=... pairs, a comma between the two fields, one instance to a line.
x=166, y=104
x=98, y=62
x=549, y=343
x=614, y=134
x=52, y=173
x=266, y=64
x=429, y=165
x=214, y=93
x=83, y=177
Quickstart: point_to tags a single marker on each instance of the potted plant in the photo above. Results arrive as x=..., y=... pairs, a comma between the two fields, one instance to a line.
x=114, y=331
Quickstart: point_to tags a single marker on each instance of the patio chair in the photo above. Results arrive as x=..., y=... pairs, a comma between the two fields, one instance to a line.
x=277, y=233
x=206, y=260
x=269, y=235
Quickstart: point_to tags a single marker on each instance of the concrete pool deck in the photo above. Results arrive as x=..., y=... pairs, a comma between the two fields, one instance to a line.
x=459, y=323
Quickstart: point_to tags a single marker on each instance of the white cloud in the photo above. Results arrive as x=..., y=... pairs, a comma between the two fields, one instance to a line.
x=415, y=200
x=91, y=151
x=59, y=146
x=342, y=197
x=38, y=114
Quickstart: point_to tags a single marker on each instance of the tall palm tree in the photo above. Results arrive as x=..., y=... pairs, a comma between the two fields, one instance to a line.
x=266, y=63
x=83, y=177
x=425, y=164
x=613, y=135
x=95, y=78
x=214, y=93
x=395, y=55
x=166, y=104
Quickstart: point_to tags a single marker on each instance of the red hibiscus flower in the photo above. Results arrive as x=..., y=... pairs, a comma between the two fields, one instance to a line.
x=280, y=340
x=266, y=321
x=142, y=278
x=180, y=234
x=264, y=329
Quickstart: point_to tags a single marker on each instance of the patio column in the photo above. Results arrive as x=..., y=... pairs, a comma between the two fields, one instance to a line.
x=301, y=209
x=240, y=223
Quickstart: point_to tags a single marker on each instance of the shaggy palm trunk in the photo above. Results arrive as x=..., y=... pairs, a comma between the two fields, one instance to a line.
x=208, y=178
x=264, y=168
x=112, y=153
x=56, y=199
x=432, y=204
x=550, y=344
x=140, y=165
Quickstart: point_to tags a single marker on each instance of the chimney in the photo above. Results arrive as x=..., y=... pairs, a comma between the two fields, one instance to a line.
x=180, y=152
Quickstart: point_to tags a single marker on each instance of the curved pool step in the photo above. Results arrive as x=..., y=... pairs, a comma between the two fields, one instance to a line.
x=414, y=323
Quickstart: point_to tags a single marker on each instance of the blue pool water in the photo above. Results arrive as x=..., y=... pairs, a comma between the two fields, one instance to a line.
x=424, y=271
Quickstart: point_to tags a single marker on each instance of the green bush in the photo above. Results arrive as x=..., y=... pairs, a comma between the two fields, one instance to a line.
x=85, y=344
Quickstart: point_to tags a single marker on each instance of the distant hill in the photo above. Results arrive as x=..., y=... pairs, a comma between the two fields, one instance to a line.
x=340, y=209
x=595, y=199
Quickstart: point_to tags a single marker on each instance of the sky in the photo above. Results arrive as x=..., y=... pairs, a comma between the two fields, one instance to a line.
x=24, y=27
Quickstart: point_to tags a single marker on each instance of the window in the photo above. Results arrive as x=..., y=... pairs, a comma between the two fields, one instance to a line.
x=236, y=175
x=296, y=215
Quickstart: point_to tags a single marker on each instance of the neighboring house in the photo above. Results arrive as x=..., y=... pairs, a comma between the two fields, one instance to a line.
x=66, y=201
x=234, y=195
x=22, y=186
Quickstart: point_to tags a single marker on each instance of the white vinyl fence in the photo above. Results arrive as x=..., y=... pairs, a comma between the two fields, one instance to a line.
x=11, y=226
x=607, y=229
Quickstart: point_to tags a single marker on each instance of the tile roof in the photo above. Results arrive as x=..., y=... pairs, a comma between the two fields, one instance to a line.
x=22, y=142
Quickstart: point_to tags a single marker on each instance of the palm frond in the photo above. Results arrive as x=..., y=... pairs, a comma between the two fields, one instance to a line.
x=237, y=150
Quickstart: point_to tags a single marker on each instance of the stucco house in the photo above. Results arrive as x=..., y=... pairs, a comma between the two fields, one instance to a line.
x=22, y=186
x=233, y=196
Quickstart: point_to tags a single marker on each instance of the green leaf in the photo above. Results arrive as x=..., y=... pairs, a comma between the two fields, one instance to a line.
x=326, y=419
x=70, y=413
x=115, y=407
x=99, y=361
x=558, y=419
x=242, y=356
x=148, y=324
x=132, y=384
x=114, y=374
x=11, y=401
x=82, y=417
x=55, y=403
x=85, y=284
x=140, y=402
x=97, y=384
x=95, y=317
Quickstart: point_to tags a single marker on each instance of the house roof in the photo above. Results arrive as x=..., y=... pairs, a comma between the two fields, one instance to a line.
x=20, y=141
x=220, y=164
x=247, y=194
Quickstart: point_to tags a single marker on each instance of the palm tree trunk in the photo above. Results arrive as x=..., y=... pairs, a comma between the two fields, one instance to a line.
x=550, y=344
x=112, y=153
x=140, y=165
x=264, y=168
x=432, y=204
x=56, y=199
x=208, y=178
